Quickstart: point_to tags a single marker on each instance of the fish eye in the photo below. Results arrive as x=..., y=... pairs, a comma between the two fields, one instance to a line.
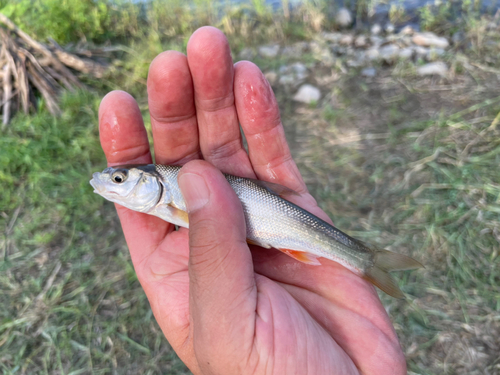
x=119, y=177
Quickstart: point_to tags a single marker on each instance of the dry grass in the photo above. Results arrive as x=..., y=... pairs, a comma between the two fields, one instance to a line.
x=411, y=164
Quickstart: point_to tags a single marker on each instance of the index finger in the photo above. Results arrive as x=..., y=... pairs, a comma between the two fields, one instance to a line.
x=171, y=105
x=121, y=130
x=211, y=66
x=124, y=141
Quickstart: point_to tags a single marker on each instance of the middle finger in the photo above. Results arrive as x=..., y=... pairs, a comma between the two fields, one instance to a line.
x=171, y=105
x=212, y=70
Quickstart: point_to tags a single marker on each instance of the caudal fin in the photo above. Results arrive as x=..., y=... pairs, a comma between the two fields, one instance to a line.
x=386, y=261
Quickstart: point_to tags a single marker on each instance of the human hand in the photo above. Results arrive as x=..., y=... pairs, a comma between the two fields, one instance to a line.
x=225, y=308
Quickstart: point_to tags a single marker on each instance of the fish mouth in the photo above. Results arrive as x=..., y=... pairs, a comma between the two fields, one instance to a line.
x=95, y=182
x=100, y=186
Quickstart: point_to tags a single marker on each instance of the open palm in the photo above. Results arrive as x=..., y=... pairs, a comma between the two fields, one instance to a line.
x=225, y=308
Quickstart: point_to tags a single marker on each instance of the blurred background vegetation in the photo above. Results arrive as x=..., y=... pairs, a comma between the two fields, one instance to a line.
x=407, y=162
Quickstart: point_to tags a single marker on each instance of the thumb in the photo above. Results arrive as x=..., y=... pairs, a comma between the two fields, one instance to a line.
x=222, y=291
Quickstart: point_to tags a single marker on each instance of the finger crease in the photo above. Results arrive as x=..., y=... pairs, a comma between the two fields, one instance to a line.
x=191, y=156
x=215, y=104
x=225, y=150
x=301, y=189
x=277, y=161
x=275, y=124
x=144, y=148
x=174, y=119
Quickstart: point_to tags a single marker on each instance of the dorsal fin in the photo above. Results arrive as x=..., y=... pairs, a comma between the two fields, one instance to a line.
x=273, y=188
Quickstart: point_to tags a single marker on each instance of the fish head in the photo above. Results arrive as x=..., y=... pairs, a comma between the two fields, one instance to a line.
x=135, y=187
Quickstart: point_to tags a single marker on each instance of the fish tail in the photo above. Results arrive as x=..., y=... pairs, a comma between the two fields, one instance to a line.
x=386, y=261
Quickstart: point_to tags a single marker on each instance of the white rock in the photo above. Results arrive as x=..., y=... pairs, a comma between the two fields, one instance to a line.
x=369, y=72
x=360, y=41
x=294, y=74
x=392, y=38
x=372, y=54
x=307, y=94
x=430, y=40
x=389, y=53
x=247, y=53
x=407, y=30
x=376, y=29
x=287, y=80
x=491, y=26
x=269, y=51
x=406, y=53
x=343, y=18
x=295, y=49
x=346, y=40
x=332, y=37
x=299, y=69
x=354, y=63
x=350, y=51
x=376, y=40
x=406, y=40
x=289, y=51
x=434, y=68
x=389, y=28
x=421, y=52
x=271, y=77
x=360, y=56
x=435, y=53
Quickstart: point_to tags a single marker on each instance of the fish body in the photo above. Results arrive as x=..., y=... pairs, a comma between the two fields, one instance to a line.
x=271, y=221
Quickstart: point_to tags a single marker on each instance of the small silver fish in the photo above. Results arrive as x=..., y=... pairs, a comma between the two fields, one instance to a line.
x=271, y=221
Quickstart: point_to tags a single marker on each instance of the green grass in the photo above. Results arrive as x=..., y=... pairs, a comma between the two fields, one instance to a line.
x=70, y=299
x=74, y=21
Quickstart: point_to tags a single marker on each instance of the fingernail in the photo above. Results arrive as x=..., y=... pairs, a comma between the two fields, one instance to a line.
x=194, y=190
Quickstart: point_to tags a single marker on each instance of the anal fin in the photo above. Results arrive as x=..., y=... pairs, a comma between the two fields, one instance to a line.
x=302, y=256
x=171, y=214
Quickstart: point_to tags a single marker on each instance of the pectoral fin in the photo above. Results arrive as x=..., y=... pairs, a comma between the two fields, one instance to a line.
x=171, y=214
x=302, y=256
x=180, y=216
x=252, y=242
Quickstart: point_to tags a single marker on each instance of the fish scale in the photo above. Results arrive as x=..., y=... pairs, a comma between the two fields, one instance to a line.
x=275, y=222
x=271, y=221
x=278, y=223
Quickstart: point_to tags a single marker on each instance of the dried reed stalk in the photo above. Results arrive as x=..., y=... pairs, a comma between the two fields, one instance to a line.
x=27, y=66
